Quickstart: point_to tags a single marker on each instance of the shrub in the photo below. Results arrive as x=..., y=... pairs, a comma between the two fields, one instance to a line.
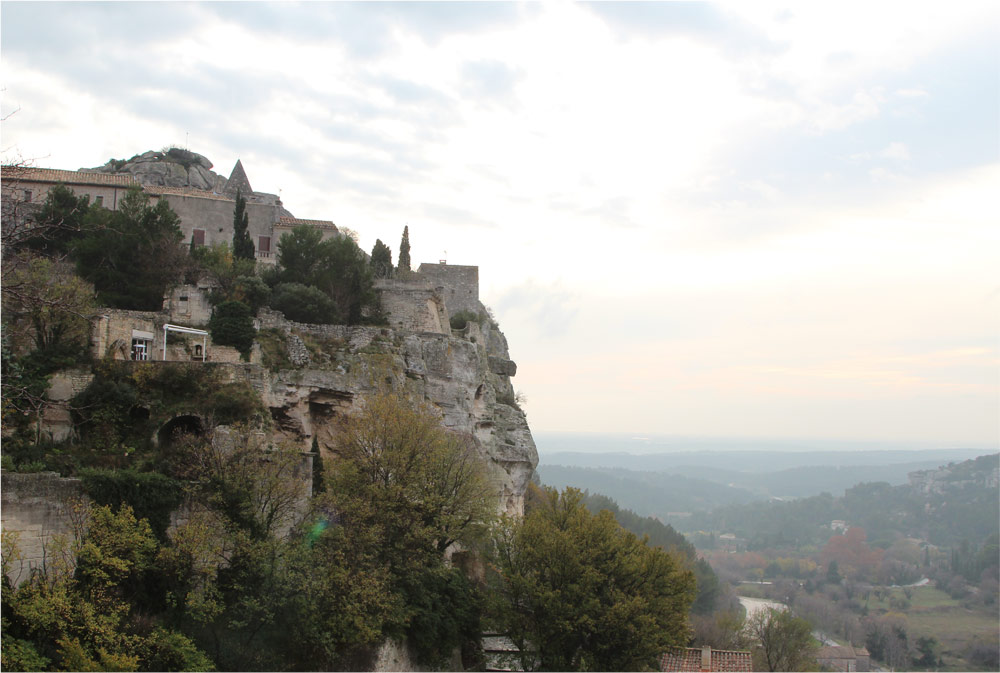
x=232, y=325
x=151, y=495
x=460, y=319
x=303, y=303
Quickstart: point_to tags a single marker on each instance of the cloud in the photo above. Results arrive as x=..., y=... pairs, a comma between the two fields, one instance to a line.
x=551, y=310
x=897, y=151
x=487, y=80
x=692, y=19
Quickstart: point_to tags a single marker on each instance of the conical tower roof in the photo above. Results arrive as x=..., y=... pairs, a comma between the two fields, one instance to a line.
x=238, y=181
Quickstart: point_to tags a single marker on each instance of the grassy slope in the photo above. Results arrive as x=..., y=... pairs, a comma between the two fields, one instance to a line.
x=933, y=613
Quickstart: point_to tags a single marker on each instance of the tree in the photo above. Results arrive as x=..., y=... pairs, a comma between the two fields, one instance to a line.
x=133, y=257
x=401, y=473
x=46, y=308
x=300, y=255
x=303, y=303
x=381, y=261
x=404, y=250
x=575, y=591
x=242, y=244
x=337, y=267
x=62, y=219
x=783, y=642
x=79, y=612
x=231, y=324
x=405, y=490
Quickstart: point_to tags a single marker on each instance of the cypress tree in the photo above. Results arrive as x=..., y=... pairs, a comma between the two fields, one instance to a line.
x=318, y=485
x=404, y=250
x=381, y=262
x=242, y=245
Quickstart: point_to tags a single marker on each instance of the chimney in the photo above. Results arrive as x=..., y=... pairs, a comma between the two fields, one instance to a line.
x=706, y=657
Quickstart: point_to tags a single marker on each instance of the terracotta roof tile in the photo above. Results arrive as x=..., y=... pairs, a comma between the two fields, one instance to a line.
x=689, y=659
x=295, y=221
x=55, y=175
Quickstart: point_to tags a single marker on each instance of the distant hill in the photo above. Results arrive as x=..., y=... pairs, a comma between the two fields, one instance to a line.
x=944, y=506
x=648, y=494
x=654, y=484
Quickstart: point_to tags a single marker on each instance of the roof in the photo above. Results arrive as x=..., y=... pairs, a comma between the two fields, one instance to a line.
x=295, y=221
x=238, y=181
x=841, y=652
x=54, y=175
x=690, y=659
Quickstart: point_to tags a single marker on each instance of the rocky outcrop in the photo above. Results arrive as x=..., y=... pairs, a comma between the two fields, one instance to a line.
x=174, y=168
x=464, y=375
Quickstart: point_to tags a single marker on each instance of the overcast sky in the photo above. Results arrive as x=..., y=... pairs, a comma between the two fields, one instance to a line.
x=690, y=219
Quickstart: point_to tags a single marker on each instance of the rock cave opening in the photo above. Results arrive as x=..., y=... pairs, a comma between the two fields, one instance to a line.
x=178, y=427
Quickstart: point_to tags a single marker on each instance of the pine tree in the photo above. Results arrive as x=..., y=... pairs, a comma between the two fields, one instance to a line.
x=404, y=250
x=242, y=245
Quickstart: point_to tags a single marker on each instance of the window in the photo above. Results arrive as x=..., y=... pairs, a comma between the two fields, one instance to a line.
x=182, y=304
x=98, y=200
x=27, y=195
x=198, y=237
x=87, y=196
x=263, y=246
x=140, y=349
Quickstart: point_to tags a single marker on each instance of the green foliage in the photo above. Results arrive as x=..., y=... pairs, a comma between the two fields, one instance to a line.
x=406, y=490
x=82, y=619
x=381, y=261
x=303, y=303
x=46, y=310
x=318, y=480
x=575, y=591
x=242, y=244
x=135, y=255
x=20, y=655
x=231, y=324
x=445, y=614
x=336, y=267
x=62, y=220
x=151, y=495
x=273, y=349
x=658, y=534
x=256, y=487
x=460, y=319
x=127, y=403
x=784, y=642
x=179, y=155
x=404, y=250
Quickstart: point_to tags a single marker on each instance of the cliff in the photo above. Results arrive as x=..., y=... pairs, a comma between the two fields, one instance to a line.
x=325, y=371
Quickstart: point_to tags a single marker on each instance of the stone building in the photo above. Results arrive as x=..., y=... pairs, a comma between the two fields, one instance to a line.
x=25, y=188
x=844, y=658
x=203, y=201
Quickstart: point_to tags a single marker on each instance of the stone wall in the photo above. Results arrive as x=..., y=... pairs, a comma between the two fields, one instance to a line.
x=38, y=509
x=188, y=305
x=112, y=331
x=460, y=283
x=213, y=214
x=416, y=306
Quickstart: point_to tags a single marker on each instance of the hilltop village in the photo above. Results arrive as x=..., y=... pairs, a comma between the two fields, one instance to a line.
x=464, y=372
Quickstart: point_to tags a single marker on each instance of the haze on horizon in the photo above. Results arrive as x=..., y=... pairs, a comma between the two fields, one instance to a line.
x=705, y=220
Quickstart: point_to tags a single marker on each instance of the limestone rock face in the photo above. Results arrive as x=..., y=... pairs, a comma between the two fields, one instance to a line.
x=174, y=168
x=456, y=374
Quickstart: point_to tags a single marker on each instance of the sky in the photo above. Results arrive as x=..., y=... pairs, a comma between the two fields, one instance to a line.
x=751, y=220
